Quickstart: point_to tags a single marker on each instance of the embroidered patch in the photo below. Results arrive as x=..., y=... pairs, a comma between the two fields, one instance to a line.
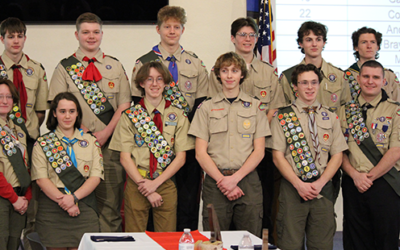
x=139, y=140
x=83, y=143
x=262, y=107
x=30, y=71
x=29, y=105
x=246, y=104
x=97, y=144
x=108, y=67
x=245, y=136
x=332, y=77
x=263, y=93
x=280, y=78
x=188, y=61
x=172, y=116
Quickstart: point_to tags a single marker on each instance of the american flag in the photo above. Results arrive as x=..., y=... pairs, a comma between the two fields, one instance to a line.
x=266, y=49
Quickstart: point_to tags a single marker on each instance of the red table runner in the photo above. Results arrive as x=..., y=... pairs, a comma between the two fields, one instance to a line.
x=170, y=240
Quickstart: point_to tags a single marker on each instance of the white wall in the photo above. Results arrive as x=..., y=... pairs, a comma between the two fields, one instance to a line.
x=207, y=33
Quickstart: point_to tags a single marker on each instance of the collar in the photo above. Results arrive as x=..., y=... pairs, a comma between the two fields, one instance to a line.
x=379, y=98
x=149, y=107
x=99, y=55
x=9, y=123
x=256, y=64
x=177, y=54
x=300, y=105
x=324, y=67
x=241, y=97
x=355, y=67
x=78, y=134
x=9, y=63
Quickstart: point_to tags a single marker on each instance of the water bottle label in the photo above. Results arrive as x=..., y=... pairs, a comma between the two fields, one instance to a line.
x=186, y=246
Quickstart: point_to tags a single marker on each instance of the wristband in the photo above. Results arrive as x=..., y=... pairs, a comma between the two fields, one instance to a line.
x=75, y=199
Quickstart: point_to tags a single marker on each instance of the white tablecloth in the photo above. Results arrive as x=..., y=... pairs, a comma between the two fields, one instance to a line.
x=146, y=243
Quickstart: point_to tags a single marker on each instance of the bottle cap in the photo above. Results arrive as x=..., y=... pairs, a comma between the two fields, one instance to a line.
x=186, y=230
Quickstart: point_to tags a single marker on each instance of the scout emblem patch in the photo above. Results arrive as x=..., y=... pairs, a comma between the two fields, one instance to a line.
x=139, y=140
x=355, y=121
x=246, y=104
x=188, y=85
x=172, y=116
x=188, y=61
x=29, y=71
x=108, y=67
x=334, y=97
x=332, y=77
x=263, y=93
x=298, y=144
x=246, y=124
x=83, y=143
x=151, y=135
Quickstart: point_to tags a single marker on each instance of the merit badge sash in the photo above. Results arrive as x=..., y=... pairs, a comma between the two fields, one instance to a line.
x=150, y=134
x=16, y=159
x=172, y=92
x=298, y=144
x=353, y=84
x=366, y=144
x=63, y=166
x=288, y=74
x=90, y=91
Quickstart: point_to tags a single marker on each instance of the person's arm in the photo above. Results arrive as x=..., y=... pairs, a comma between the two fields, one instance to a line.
x=205, y=161
x=330, y=170
x=361, y=180
x=388, y=160
x=58, y=82
x=304, y=189
x=227, y=183
x=270, y=114
x=40, y=115
x=50, y=189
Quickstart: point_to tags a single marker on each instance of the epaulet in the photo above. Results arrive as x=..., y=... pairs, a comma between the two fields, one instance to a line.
x=150, y=56
x=191, y=53
x=112, y=57
x=255, y=97
x=393, y=101
x=35, y=62
x=336, y=67
x=267, y=64
x=206, y=100
x=387, y=69
x=41, y=65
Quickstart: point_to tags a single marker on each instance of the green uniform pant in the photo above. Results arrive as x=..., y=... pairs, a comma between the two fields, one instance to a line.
x=246, y=212
x=109, y=193
x=11, y=225
x=314, y=219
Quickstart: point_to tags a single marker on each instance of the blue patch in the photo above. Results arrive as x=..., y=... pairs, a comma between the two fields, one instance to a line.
x=188, y=61
x=108, y=67
x=139, y=140
x=246, y=136
x=325, y=118
x=29, y=72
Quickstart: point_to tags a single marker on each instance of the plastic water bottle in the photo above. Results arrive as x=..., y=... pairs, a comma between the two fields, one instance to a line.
x=186, y=242
x=246, y=243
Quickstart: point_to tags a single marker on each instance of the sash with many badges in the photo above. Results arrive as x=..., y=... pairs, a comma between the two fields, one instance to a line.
x=298, y=144
x=356, y=122
x=90, y=91
x=3, y=72
x=353, y=84
x=9, y=144
x=151, y=135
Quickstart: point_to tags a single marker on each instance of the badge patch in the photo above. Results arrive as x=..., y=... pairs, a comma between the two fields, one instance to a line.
x=325, y=118
x=246, y=124
x=326, y=137
x=263, y=93
x=332, y=77
x=324, y=114
x=246, y=104
x=188, y=61
x=188, y=85
x=172, y=116
x=97, y=144
x=86, y=168
x=139, y=140
x=334, y=97
x=245, y=136
x=111, y=85
x=280, y=78
x=30, y=71
x=45, y=77
x=108, y=67
x=83, y=143
x=202, y=64
x=263, y=107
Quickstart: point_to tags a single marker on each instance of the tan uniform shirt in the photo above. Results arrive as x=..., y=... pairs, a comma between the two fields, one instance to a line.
x=334, y=89
x=261, y=82
x=331, y=139
x=5, y=165
x=230, y=128
x=114, y=85
x=392, y=85
x=175, y=131
x=35, y=80
x=387, y=113
x=88, y=156
x=192, y=75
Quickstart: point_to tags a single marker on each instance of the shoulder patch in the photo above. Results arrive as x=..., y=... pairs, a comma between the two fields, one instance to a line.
x=207, y=99
x=262, y=106
x=281, y=76
x=191, y=53
x=113, y=58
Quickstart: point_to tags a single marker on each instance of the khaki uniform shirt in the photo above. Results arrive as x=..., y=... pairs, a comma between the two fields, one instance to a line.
x=230, y=128
x=334, y=89
x=89, y=159
x=387, y=113
x=392, y=85
x=35, y=80
x=114, y=85
x=175, y=131
x=192, y=75
x=5, y=165
x=331, y=139
x=261, y=82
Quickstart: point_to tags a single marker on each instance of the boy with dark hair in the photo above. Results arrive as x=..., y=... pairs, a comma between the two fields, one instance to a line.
x=100, y=84
x=334, y=90
x=186, y=92
x=307, y=149
x=366, y=44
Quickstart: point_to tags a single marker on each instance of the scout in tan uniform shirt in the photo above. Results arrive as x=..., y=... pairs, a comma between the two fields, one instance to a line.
x=302, y=143
x=67, y=165
x=15, y=188
x=190, y=74
x=334, y=90
x=366, y=44
x=230, y=132
x=149, y=184
x=371, y=185
x=111, y=87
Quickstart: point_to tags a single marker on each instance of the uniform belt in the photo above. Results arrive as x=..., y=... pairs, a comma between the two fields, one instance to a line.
x=228, y=171
x=146, y=174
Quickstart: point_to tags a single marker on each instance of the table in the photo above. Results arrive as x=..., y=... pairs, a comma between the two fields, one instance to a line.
x=143, y=241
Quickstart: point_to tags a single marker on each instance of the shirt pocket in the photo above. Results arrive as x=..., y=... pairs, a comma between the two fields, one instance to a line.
x=218, y=122
x=262, y=90
x=246, y=122
x=169, y=134
x=31, y=85
x=85, y=162
x=110, y=85
x=188, y=81
x=332, y=87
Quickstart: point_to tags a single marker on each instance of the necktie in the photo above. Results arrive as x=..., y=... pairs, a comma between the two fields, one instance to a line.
x=158, y=122
x=173, y=68
x=91, y=72
x=19, y=84
x=71, y=154
x=312, y=125
x=365, y=107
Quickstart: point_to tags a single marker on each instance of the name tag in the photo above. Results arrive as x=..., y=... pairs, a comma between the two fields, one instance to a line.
x=379, y=145
x=170, y=123
x=246, y=136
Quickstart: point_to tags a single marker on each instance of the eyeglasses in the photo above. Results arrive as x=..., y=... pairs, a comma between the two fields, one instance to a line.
x=8, y=97
x=244, y=35
x=305, y=83
x=158, y=80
